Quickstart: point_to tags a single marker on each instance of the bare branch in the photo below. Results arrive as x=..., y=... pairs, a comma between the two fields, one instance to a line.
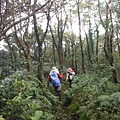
x=14, y=23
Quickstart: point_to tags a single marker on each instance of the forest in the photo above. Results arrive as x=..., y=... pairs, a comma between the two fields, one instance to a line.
x=36, y=35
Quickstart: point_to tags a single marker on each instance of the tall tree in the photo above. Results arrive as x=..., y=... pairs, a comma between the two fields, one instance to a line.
x=97, y=42
x=41, y=38
x=108, y=41
x=61, y=28
x=23, y=44
x=88, y=48
x=80, y=38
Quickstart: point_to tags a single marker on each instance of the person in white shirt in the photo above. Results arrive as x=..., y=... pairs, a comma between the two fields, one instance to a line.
x=69, y=76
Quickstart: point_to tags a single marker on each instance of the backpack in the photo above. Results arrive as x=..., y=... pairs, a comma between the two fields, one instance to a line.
x=54, y=79
x=70, y=76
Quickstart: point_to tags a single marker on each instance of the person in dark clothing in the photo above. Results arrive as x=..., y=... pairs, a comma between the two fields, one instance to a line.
x=69, y=76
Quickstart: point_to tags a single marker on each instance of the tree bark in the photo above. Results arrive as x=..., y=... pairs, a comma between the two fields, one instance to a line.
x=80, y=38
x=97, y=42
x=40, y=40
x=88, y=49
x=40, y=67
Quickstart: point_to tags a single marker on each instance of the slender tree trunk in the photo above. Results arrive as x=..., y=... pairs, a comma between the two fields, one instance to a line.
x=0, y=18
x=41, y=39
x=61, y=38
x=60, y=30
x=81, y=44
x=54, y=55
x=12, y=54
x=72, y=42
x=88, y=49
x=60, y=53
x=23, y=45
x=73, y=53
x=54, y=45
x=40, y=67
x=118, y=41
x=91, y=42
x=97, y=43
x=76, y=65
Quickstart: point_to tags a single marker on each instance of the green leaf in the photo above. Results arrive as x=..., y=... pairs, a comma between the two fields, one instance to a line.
x=38, y=115
x=1, y=118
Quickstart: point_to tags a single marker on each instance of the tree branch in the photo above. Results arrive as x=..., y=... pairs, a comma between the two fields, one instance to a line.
x=14, y=23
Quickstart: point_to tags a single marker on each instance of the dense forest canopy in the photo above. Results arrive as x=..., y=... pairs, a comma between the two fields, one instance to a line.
x=38, y=34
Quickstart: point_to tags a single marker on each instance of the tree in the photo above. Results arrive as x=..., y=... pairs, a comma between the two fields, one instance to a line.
x=80, y=38
x=7, y=13
x=41, y=38
x=109, y=34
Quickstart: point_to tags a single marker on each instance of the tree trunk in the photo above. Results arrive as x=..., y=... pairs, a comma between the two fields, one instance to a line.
x=88, y=49
x=40, y=67
x=41, y=39
x=108, y=41
x=97, y=44
x=54, y=44
x=91, y=42
x=12, y=54
x=118, y=41
x=60, y=30
x=108, y=38
x=81, y=44
x=22, y=44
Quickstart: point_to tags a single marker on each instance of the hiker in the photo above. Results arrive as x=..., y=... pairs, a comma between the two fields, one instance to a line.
x=69, y=76
x=54, y=77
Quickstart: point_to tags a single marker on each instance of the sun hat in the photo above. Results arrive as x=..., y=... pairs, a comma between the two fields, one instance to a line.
x=55, y=70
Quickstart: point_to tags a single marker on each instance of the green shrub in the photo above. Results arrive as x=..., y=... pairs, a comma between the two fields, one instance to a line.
x=94, y=98
x=24, y=97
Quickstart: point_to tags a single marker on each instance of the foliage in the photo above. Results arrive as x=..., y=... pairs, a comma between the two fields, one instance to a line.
x=94, y=98
x=1, y=118
x=117, y=64
x=24, y=98
x=5, y=64
x=38, y=115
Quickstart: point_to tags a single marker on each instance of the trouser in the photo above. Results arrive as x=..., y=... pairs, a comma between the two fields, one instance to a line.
x=58, y=90
x=70, y=83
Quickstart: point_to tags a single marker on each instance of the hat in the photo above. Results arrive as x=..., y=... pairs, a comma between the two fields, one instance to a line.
x=69, y=70
x=55, y=70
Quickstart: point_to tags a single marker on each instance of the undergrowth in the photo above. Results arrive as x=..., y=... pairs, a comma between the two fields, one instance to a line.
x=92, y=97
